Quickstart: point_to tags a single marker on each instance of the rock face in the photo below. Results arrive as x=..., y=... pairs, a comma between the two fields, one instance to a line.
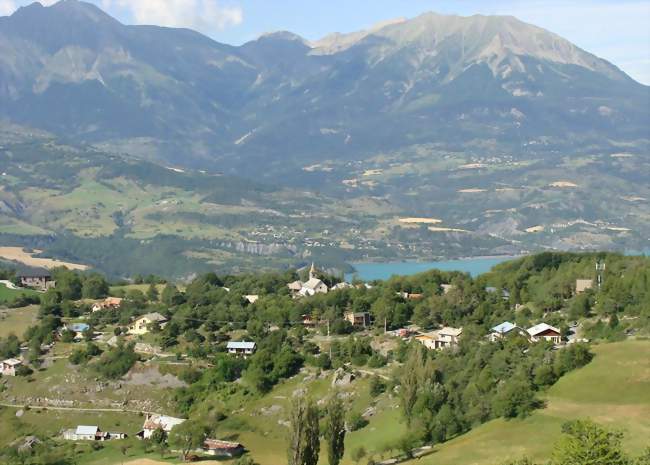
x=342, y=378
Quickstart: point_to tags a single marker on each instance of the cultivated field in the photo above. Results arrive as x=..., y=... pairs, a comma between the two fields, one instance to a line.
x=18, y=254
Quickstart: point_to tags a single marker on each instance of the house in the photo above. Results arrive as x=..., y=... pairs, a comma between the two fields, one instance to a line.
x=409, y=296
x=505, y=294
x=544, y=332
x=341, y=286
x=446, y=288
x=357, y=318
x=154, y=422
x=10, y=366
x=504, y=329
x=40, y=279
x=449, y=337
x=441, y=339
x=141, y=325
x=109, y=303
x=309, y=321
x=583, y=285
x=222, y=448
x=77, y=328
x=251, y=299
x=90, y=433
x=241, y=348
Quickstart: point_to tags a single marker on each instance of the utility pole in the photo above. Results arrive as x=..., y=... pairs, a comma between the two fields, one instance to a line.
x=385, y=325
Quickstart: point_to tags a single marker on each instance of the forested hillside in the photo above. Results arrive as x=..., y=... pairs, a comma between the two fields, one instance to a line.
x=411, y=396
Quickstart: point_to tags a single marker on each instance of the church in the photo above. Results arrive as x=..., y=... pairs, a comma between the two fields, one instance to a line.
x=310, y=287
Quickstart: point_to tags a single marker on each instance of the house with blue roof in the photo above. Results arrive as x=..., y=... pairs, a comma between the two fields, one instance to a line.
x=77, y=328
x=504, y=329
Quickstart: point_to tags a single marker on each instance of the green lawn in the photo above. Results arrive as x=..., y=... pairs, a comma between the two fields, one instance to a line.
x=614, y=390
x=18, y=320
x=9, y=295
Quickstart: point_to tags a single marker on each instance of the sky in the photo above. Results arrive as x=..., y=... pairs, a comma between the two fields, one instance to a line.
x=617, y=30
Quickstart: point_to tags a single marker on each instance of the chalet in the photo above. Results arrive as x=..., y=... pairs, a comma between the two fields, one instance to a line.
x=583, y=285
x=40, y=279
x=505, y=329
x=10, y=366
x=109, y=303
x=357, y=318
x=242, y=348
x=544, y=332
x=154, y=422
x=142, y=324
x=225, y=449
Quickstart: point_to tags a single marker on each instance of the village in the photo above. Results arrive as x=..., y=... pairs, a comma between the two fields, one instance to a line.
x=145, y=329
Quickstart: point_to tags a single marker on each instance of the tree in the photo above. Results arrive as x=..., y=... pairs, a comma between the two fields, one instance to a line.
x=409, y=382
x=587, y=443
x=335, y=429
x=94, y=287
x=152, y=293
x=188, y=436
x=304, y=434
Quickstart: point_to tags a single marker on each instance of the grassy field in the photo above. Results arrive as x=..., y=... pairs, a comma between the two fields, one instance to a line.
x=17, y=320
x=613, y=390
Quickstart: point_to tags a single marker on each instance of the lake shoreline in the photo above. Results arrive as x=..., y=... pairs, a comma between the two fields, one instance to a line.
x=376, y=270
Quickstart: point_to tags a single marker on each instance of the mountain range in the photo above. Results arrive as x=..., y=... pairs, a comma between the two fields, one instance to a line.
x=177, y=96
x=148, y=148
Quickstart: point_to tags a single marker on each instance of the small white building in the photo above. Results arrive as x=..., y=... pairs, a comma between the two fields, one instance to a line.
x=85, y=433
x=154, y=422
x=241, y=348
x=251, y=298
x=10, y=365
x=545, y=332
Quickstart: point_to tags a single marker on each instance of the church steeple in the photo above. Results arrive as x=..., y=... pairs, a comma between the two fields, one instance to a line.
x=312, y=271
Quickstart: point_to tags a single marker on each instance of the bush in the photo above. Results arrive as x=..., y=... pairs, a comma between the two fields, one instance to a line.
x=356, y=422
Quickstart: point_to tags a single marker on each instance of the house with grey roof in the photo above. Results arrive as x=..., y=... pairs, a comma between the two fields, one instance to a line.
x=242, y=348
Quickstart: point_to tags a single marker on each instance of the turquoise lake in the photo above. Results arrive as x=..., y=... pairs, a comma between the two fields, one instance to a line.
x=473, y=266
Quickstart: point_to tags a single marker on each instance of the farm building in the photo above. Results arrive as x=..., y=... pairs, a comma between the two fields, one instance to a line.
x=90, y=433
x=154, y=422
x=545, y=332
x=40, y=279
x=10, y=366
x=222, y=448
x=241, y=348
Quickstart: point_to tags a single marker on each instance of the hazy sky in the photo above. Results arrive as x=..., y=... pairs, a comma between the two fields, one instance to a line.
x=617, y=30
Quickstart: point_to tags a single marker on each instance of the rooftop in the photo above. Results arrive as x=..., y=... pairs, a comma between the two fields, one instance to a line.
x=504, y=327
x=540, y=328
x=86, y=430
x=241, y=345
